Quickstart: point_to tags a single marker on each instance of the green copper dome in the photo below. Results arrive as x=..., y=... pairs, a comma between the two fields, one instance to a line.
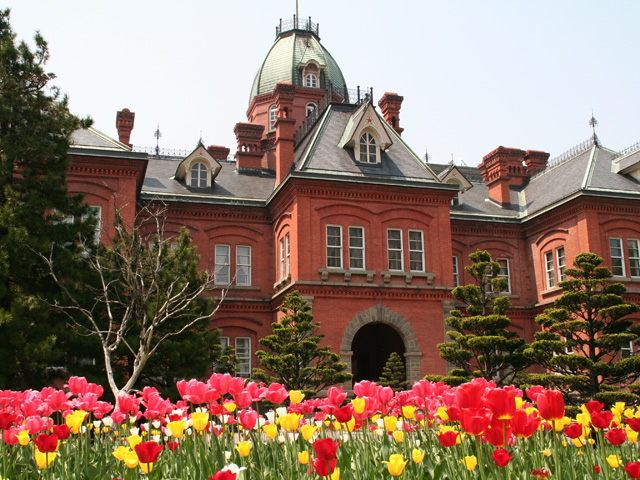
x=291, y=50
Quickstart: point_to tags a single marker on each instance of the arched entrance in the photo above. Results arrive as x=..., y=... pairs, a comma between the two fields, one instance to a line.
x=371, y=348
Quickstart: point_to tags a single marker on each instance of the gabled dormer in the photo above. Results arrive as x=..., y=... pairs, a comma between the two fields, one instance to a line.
x=454, y=176
x=199, y=169
x=366, y=135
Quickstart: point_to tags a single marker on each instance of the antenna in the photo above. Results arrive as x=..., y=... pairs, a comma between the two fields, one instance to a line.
x=157, y=135
x=592, y=123
x=297, y=17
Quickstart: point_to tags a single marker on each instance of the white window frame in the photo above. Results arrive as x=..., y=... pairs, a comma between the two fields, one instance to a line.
x=198, y=173
x=368, y=148
x=334, y=247
x=243, y=267
x=456, y=272
x=311, y=80
x=626, y=351
x=243, y=357
x=355, y=250
x=502, y=274
x=617, y=258
x=273, y=116
x=561, y=263
x=281, y=258
x=96, y=212
x=222, y=268
x=287, y=255
x=224, y=342
x=416, y=251
x=633, y=248
x=395, y=249
x=549, y=270
x=311, y=107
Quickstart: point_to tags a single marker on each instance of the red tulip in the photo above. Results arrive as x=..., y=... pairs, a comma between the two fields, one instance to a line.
x=616, y=436
x=469, y=395
x=148, y=451
x=633, y=469
x=344, y=414
x=172, y=445
x=248, y=418
x=326, y=449
x=501, y=457
x=597, y=469
x=336, y=396
x=6, y=420
x=601, y=419
x=448, y=438
x=574, y=430
x=474, y=421
x=541, y=474
x=502, y=403
x=46, y=443
x=223, y=475
x=324, y=467
x=62, y=431
x=496, y=434
x=525, y=425
x=634, y=424
x=594, y=406
x=277, y=393
x=551, y=405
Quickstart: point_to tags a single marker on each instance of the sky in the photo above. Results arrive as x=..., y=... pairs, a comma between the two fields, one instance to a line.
x=474, y=74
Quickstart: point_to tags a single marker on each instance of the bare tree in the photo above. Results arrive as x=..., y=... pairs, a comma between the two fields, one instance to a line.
x=144, y=289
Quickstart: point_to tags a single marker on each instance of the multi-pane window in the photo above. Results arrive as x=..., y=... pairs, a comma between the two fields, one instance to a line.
x=617, y=257
x=368, y=149
x=199, y=175
x=224, y=343
x=356, y=247
x=394, y=249
x=634, y=257
x=626, y=350
x=243, y=356
x=334, y=246
x=310, y=80
x=284, y=256
x=222, y=264
x=96, y=213
x=273, y=115
x=243, y=265
x=504, y=273
x=549, y=270
x=456, y=272
x=561, y=262
x=416, y=251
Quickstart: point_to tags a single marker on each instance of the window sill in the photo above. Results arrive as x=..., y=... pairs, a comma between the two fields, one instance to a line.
x=626, y=279
x=282, y=283
x=408, y=276
x=325, y=272
x=236, y=287
x=550, y=291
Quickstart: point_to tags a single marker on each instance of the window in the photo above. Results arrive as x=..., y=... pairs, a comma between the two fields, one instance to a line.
x=199, y=175
x=273, y=115
x=394, y=249
x=456, y=274
x=284, y=256
x=311, y=107
x=549, y=271
x=627, y=350
x=561, y=262
x=634, y=257
x=243, y=265
x=334, y=246
x=222, y=264
x=504, y=273
x=356, y=247
x=416, y=251
x=617, y=257
x=243, y=356
x=368, y=150
x=224, y=343
x=95, y=212
x=310, y=81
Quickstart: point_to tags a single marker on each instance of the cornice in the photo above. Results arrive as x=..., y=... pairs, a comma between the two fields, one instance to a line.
x=202, y=211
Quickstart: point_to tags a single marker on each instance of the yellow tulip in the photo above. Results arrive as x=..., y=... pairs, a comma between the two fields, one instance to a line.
x=396, y=464
x=200, y=420
x=146, y=467
x=303, y=457
x=44, y=459
x=547, y=452
x=519, y=403
x=131, y=459
x=244, y=448
x=271, y=430
x=335, y=475
x=350, y=425
x=359, y=405
x=74, y=420
x=290, y=422
x=560, y=424
x=442, y=413
x=23, y=437
x=408, y=411
x=134, y=440
x=390, y=423
x=417, y=455
x=584, y=419
x=296, y=396
x=618, y=408
x=470, y=462
x=229, y=407
x=121, y=452
x=308, y=431
x=614, y=461
x=177, y=428
x=398, y=436
x=631, y=435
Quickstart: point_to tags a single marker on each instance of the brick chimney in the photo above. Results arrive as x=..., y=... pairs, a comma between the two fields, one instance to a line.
x=124, y=125
x=283, y=95
x=249, y=154
x=390, y=104
x=218, y=152
x=536, y=161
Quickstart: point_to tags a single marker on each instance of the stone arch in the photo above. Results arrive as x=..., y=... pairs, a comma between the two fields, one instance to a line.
x=382, y=314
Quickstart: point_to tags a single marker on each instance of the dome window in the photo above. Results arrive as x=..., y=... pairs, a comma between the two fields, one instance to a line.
x=311, y=80
x=199, y=173
x=273, y=115
x=368, y=149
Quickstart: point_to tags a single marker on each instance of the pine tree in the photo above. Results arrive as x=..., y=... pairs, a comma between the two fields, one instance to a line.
x=394, y=374
x=481, y=345
x=295, y=357
x=35, y=209
x=583, y=334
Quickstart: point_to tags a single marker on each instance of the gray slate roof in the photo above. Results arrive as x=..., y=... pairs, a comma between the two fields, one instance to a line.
x=92, y=138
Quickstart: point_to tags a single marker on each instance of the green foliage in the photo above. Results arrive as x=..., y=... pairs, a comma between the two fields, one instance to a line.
x=583, y=333
x=481, y=344
x=394, y=374
x=35, y=133
x=295, y=357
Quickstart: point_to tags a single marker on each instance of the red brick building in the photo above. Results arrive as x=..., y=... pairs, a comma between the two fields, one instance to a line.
x=323, y=196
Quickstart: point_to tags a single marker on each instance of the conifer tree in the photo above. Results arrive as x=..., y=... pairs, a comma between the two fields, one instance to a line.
x=394, y=374
x=481, y=345
x=295, y=358
x=583, y=335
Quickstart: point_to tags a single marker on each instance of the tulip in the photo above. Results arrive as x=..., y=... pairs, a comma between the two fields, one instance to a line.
x=448, y=438
x=308, y=431
x=44, y=459
x=398, y=436
x=276, y=393
x=474, y=421
x=46, y=443
x=248, y=418
x=200, y=420
x=326, y=449
x=633, y=469
x=501, y=457
x=177, y=428
x=525, y=425
x=616, y=436
x=23, y=437
x=296, y=396
x=324, y=467
x=336, y=396
x=271, y=430
x=359, y=405
x=551, y=405
x=303, y=457
x=290, y=422
x=541, y=474
x=344, y=414
x=74, y=420
x=244, y=448
x=601, y=419
x=470, y=462
x=396, y=464
x=148, y=452
x=502, y=403
x=417, y=455
x=634, y=423
x=61, y=431
x=223, y=475
x=593, y=406
x=134, y=440
x=6, y=420
x=408, y=411
x=390, y=423
x=614, y=461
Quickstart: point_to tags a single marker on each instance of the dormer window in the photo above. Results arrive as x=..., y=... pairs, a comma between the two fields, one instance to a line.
x=368, y=149
x=311, y=107
x=273, y=116
x=199, y=172
x=311, y=80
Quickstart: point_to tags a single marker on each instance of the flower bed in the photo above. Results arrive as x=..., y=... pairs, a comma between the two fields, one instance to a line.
x=215, y=432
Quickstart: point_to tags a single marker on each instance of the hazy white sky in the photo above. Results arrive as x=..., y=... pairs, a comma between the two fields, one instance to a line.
x=474, y=74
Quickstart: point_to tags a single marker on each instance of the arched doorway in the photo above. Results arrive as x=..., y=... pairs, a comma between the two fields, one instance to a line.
x=372, y=345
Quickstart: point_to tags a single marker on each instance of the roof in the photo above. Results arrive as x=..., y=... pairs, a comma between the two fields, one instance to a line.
x=94, y=139
x=291, y=49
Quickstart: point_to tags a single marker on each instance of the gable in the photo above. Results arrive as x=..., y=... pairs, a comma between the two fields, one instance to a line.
x=199, y=156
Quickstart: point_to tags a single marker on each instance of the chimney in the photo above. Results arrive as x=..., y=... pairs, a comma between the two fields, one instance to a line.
x=536, y=161
x=283, y=95
x=249, y=154
x=390, y=104
x=218, y=152
x=124, y=125
x=501, y=168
